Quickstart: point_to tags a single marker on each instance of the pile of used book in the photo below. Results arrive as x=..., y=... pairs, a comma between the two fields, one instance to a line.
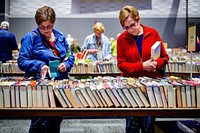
x=101, y=92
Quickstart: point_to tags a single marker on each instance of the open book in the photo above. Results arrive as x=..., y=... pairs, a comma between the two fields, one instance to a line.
x=155, y=50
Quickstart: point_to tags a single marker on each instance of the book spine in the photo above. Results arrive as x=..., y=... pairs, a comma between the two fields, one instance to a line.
x=143, y=97
x=151, y=96
x=136, y=97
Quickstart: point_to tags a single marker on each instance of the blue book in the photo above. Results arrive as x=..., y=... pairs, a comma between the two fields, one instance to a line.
x=53, y=65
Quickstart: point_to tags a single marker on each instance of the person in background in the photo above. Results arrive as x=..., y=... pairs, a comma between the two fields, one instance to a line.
x=134, y=52
x=69, y=39
x=97, y=44
x=8, y=42
x=40, y=46
x=112, y=41
x=114, y=46
x=75, y=48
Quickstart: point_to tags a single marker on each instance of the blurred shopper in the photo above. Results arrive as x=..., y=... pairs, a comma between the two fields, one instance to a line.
x=75, y=48
x=114, y=46
x=8, y=42
x=69, y=39
x=97, y=44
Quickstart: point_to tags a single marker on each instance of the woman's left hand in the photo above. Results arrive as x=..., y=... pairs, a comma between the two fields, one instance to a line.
x=62, y=67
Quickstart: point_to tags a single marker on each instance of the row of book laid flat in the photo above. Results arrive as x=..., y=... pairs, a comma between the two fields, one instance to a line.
x=101, y=92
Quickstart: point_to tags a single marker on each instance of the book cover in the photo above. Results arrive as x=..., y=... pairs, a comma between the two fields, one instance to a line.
x=93, y=98
x=123, y=97
x=62, y=92
x=114, y=91
x=45, y=97
x=71, y=98
x=129, y=97
x=13, y=95
x=155, y=50
x=53, y=65
x=23, y=94
x=151, y=96
x=136, y=97
x=142, y=97
x=183, y=96
x=6, y=93
x=111, y=95
x=50, y=88
x=105, y=96
x=81, y=97
x=85, y=95
x=96, y=95
x=60, y=98
x=30, y=93
x=1, y=96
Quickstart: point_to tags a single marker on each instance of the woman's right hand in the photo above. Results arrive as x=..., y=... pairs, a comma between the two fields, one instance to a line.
x=150, y=65
x=44, y=70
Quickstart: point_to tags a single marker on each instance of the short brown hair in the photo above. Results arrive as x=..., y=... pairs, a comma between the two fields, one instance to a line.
x=126, y=12
x=45, y=13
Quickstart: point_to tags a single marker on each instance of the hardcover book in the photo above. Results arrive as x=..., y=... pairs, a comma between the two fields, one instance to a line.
x=105, y=96
x=1, y=96
x=6, y=93
x=136, y=97
x=81, y=97
x=85, y=95
x=71, y=98
x=50, y=88
x=111, y=95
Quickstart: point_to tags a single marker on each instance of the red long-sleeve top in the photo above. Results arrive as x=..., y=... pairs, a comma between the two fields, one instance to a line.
x=129, y=60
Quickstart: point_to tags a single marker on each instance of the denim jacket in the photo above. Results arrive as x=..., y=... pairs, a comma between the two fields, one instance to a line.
x=90, y=43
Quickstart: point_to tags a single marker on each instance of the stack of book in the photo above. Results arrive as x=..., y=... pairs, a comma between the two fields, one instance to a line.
x=95, y=67
x=101, y=92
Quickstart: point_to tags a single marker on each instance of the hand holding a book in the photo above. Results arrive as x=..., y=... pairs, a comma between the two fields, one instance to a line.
x=150, y=65
x=62, y=67
x=44, y=70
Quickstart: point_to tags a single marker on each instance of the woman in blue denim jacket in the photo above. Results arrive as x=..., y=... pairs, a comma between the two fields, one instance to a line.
x=38, y=47
x=97, y=44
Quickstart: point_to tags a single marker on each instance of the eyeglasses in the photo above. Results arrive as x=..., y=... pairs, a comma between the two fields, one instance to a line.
x=47, y=27
x=133, y=25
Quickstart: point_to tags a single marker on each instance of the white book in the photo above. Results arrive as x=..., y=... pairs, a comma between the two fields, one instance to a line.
x=29, y=96
x=198, y=95
x=1, y=97
x=188, y=96
x=151, y=97
x=39, y=96
x=23, y=96
x=6, y=93
x=45, y=97
x=155, y=50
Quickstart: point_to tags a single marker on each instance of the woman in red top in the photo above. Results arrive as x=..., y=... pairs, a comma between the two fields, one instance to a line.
x=134, y=57
x=134, y=47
